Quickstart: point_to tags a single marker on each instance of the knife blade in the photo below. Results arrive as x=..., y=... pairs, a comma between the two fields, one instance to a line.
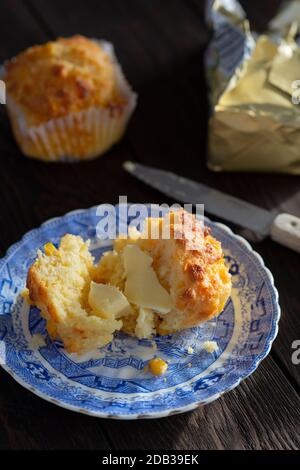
x=283, y=228
x=216, y=202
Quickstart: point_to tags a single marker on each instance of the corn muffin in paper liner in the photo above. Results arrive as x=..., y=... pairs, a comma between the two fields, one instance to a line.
x=254, y=90
x=78, y=136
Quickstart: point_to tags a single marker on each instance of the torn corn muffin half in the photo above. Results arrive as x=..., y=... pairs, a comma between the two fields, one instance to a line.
x=146, y=285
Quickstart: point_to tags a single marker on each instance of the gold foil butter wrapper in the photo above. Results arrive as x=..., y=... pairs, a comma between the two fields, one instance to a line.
x=254, y=91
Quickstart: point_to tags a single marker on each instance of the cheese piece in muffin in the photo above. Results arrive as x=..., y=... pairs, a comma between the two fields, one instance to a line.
x=64, y=97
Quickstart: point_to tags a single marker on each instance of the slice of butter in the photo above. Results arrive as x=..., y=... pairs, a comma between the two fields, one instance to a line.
x=142, y=286
x=108, y=301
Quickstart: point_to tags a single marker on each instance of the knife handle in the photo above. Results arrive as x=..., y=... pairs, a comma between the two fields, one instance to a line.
x=285, y=230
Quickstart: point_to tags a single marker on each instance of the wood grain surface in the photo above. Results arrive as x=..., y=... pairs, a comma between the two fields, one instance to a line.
x=160, y=46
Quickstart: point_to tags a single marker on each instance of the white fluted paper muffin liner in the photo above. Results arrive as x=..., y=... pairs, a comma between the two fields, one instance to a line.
x=78, y=136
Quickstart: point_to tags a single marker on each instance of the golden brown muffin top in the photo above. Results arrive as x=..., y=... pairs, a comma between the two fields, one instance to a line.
x=61, y=77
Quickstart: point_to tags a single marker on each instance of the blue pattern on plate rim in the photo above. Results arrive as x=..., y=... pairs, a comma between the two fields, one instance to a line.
x=111, y=382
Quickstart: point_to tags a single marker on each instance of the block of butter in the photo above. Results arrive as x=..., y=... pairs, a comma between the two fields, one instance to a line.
x=255, y=91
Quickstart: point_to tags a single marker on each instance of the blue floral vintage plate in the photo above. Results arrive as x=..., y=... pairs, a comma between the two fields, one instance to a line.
x=112, y=382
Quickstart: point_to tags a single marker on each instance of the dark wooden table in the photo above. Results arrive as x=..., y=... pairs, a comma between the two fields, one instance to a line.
x=160, y=45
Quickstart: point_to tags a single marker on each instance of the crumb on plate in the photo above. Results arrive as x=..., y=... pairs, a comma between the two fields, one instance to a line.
x=158, y=366
x=210, y=346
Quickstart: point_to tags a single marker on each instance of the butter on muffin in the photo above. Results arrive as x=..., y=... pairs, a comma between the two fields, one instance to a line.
x=67, y=99
x=145, y=286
